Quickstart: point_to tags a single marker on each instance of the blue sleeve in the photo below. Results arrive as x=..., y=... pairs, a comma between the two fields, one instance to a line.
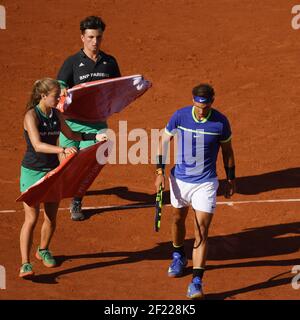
x=226, y=131
x=172, y=125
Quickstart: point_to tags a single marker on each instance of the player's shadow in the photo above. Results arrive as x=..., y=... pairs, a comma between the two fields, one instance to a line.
x=124, y=193
x=255, y=243
x=270, y=283
x=260, y=243
x=282, y=179
x=271, y=240
x=137, y=200
x=248, y=185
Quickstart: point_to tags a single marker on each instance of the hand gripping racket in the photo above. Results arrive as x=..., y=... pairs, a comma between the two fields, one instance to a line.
x=158, y=207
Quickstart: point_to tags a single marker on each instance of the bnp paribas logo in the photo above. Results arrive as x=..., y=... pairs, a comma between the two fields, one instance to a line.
x=2, y=278
x=2, y=17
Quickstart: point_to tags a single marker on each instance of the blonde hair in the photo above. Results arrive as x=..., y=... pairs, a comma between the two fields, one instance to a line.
x=42, y=86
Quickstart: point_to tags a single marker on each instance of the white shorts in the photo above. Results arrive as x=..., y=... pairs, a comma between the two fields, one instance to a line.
x=202, y=196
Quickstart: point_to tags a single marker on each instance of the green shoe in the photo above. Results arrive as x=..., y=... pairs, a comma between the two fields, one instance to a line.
x=26, y=271
x=45, y=256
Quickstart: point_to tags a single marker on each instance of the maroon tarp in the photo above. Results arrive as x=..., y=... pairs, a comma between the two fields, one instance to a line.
x=97, y=100
x=92, y=101
x=71, y=178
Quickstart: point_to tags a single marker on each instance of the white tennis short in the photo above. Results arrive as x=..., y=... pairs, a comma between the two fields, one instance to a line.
x=202, y=196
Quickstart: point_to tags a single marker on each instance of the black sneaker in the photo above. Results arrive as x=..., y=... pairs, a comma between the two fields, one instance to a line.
x=76, y=212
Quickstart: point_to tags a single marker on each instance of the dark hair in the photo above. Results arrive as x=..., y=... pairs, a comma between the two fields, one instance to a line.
x=43, y=86
x=204, y=90
x=92, y=22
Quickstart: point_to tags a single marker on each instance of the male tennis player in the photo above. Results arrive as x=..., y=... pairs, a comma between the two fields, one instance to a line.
x=201, y=130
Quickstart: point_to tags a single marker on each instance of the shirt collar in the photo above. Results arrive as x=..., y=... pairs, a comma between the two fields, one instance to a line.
x=83, y=55
x=203, y=120
x=43, y=114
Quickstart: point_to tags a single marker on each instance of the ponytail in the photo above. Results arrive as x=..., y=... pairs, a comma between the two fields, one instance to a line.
x=43, y=86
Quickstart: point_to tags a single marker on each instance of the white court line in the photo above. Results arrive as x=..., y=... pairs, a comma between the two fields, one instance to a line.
x=137, y=206
x=231, y=203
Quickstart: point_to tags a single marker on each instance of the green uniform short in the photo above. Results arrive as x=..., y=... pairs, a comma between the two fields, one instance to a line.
x=80, y=126
x=29, y=177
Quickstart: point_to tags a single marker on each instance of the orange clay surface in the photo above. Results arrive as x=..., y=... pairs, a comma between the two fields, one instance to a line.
x=249, y=51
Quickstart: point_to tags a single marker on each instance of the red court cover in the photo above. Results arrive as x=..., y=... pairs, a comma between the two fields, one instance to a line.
x=92, y=102
x=71, y=178
x=97, y=100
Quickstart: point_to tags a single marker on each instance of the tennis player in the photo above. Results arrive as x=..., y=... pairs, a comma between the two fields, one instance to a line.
x=201, y=130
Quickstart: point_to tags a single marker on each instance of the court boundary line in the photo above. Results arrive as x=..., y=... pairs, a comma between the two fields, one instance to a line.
x=149, y=205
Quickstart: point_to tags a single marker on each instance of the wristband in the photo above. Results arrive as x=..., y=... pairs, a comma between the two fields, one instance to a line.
x=230, y=173
x=88, y=136
x=159, y=172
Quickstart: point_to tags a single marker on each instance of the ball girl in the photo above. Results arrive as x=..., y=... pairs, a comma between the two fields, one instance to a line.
x=42, y=126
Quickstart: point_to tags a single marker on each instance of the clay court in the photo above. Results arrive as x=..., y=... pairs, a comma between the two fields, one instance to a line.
x=249, y=52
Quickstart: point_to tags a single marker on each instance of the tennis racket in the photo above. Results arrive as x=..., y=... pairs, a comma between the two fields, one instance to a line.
x=158, y=207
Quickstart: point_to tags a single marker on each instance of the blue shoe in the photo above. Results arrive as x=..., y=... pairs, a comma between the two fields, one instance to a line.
x=177, y=266
x=195, y=289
